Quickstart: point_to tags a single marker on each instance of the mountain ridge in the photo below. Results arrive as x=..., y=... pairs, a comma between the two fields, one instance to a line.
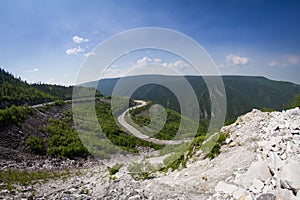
x=243, y=93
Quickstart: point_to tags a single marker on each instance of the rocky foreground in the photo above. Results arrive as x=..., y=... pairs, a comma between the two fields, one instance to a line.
x=260, y=160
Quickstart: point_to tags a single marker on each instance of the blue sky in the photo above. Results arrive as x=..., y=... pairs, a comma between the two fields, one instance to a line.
x=47, y=40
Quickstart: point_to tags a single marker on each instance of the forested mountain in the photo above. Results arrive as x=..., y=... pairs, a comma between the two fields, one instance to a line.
x=243, y=93
x=14, y=91
x=57, y=91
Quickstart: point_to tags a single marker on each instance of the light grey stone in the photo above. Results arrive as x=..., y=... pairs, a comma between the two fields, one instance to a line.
x=290, y=176
x=238, y=193
x=248, y=196
x=232, y=144
x=228, y=140
x=295, y=125
x=135, y=197
x=274, y=162
x=225, y=187
x=257, y=170
x=284, y=194
x=284, y=156
x=256, y=186
x=294, y=132
x=73, y=190
x=268, y=186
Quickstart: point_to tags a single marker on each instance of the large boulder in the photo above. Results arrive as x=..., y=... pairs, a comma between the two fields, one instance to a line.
x=257, y=170
x=290, y=176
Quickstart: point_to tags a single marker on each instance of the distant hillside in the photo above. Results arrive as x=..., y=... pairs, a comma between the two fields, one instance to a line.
x=243, y=93
x=14, y=91
x=57, y=91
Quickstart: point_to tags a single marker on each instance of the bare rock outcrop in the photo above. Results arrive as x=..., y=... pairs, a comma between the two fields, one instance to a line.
x=275, y=172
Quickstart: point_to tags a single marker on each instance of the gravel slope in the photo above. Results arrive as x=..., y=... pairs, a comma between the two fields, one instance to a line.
x=261, y=160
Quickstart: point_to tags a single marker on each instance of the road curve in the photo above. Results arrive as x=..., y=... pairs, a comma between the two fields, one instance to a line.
x=138, y=134
x=124, y=124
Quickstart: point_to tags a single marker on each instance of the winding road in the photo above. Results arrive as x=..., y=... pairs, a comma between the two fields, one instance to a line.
x=138, y=134
x=128, y=127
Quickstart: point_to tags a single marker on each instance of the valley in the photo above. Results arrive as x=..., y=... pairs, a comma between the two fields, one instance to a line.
x=45, y=154
x=243, y=93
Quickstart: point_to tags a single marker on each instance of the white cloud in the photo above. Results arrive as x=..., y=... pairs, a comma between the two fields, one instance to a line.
x=147, y=65
x=292, y=59
x=74, y=51
x=158, y=60
x=178, y=63
x=89, y=54
x=273, y=63
x=79, y=40
x=144, y=61
x=237, y=60
x=32, y=70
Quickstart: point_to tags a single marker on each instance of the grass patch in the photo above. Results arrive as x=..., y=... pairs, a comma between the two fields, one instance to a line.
x=10, y=177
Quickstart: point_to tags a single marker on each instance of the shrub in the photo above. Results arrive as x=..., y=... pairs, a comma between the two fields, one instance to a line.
x=14, y=114
x=114, y=169
x=35, y=144
x=215, y=151
x=59, y=102
x=142, y=170
x=64, y=141
x=174, y=161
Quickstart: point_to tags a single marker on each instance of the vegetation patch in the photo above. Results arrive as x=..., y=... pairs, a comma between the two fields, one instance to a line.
x=59, y=102
x=14, y=114
x=140, y=116
x=113, y=132
x=179, y=157
x=10, y=177
x=296, y=101
x=142, y=170
x=64, y=141
x=215, y=150
x=35, y=144
x=267, y=110
x=174, y=161
x=114, y=169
